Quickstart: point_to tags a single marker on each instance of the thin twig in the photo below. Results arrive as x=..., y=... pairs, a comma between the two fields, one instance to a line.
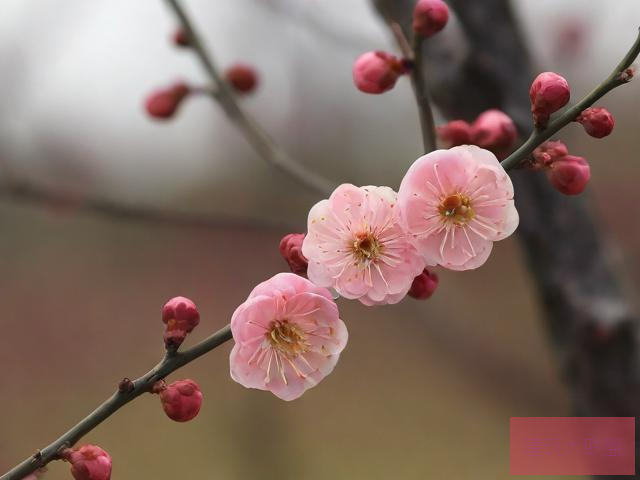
x=25, y=193
x=619, y=76
x=418, y=82
x=169, y=364
x=427, y=124
x=250, y=128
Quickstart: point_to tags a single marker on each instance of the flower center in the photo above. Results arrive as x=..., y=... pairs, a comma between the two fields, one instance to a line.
x=287, y=338
x=366, y=247
x=456, y=208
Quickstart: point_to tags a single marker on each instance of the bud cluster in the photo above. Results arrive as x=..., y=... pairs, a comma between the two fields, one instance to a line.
x=377, y=72
x=493, y=130
x=569, y=174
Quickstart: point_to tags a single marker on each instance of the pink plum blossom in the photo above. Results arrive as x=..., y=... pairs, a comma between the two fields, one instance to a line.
x=356, y=244
x=288, y=336
x=456, y=203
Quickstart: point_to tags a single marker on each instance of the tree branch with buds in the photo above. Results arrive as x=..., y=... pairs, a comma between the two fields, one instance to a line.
x=289, y=322
x=250, y=128
x=620, y=75
x=127, y=391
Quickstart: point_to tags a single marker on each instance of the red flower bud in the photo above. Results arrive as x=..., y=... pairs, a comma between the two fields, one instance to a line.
x=291, y=251
x=376, y=72
x=181, y=316
x=181, y=400
x=494, y=130
x=597, y=122
x=548, y=153
x=424, y=285
x=89, y=462
x=429, y=17
x=180, y=38
x=569, y=174
x=242, y=78
x=549, y=92
x=454, y=133
x=164, y=103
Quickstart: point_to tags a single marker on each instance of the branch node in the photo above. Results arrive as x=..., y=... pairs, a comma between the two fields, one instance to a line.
x=125, y=385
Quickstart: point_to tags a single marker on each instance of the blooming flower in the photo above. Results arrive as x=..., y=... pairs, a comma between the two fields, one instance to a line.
x=288, y=336
x=456, y=203
x=356, y=244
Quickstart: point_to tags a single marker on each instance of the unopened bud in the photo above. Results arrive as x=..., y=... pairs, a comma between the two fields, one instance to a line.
x=569, y=175
x=180, y=38
x=242, y=78
x=548, y=153
x=628, y=74
x=181, y=400
x=291, y=251
x=549, y=92
x=424, y=285
x=181, y=316
x=429, y=17
x=454, y=133
x=164, y=103
x=494, y=130
x=89, y=462
x=376, y=72
x=597, y=122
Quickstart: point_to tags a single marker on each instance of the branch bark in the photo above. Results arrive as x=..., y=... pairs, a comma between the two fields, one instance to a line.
x=595, y=334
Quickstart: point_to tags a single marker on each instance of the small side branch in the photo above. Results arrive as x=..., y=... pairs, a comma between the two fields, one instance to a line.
x=264, y=145
x=619, y=76
x=419, y=84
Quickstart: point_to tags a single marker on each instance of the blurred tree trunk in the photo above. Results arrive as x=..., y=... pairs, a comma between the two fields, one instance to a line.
x=588, y=319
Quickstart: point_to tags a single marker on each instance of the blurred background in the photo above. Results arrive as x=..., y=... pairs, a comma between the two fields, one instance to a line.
x=423, y=390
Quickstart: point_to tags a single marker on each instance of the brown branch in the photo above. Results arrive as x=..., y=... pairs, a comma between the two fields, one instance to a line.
x=413, y=52
x=20, y=192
